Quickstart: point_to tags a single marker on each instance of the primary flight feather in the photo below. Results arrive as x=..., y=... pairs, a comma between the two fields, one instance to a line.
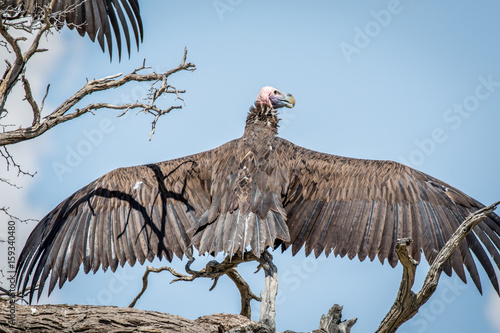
x=99, y=19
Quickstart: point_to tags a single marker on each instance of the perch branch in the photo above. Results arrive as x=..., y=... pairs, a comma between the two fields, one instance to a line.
x=87, y=318
x=213, y=270
x=408, y=303
x=268, y=302
x=5, y=210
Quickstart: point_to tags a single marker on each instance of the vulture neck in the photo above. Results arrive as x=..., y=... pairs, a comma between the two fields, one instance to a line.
x=262, y=119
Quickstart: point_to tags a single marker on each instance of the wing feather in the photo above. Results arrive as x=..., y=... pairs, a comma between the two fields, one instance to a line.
x=319, y=236
x=128, y=215
x=378, y=220
x=101, y=18
x=358, y=229
x=369, y=204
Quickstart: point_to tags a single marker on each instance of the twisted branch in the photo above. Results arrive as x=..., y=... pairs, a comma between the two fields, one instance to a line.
x=408, y=303
x=213, y=270
x=13, y=71
x=61, y=114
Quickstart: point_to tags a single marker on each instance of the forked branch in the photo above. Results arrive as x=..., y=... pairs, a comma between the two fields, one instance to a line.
x=61, y=114
x=213, y=270
x=408, y=303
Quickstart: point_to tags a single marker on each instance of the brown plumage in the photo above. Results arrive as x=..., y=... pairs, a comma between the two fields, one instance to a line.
x=256, y=192
x=97, y=18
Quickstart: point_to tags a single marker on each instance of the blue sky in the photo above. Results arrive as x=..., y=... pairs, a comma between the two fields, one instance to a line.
x=411, y=81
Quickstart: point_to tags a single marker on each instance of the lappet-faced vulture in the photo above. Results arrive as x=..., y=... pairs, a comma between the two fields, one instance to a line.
x=96, y=18
x=256, y=192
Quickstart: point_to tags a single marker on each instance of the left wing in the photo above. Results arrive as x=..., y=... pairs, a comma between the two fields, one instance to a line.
x=361, y=207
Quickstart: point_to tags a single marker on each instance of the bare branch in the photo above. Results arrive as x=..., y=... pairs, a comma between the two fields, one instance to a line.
x=8, y=182
x=7, y=295
x=43, y=99
x=60, y=114
x=213, y=270
x=31, y=101
x=10, y=162
x=246, y=293
x=408, y=303
x=12, y=73
x=149, y=269
x=5, y=210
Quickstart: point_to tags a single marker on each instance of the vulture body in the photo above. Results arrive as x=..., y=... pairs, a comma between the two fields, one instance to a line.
x=96, y=18
x=256, y=192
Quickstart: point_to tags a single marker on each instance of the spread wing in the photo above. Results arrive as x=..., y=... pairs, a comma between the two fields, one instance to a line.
x=358, y=207
x=127, y=215
x=97, y=18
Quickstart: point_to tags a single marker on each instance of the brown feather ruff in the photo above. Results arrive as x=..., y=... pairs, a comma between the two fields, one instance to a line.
x=262, y=116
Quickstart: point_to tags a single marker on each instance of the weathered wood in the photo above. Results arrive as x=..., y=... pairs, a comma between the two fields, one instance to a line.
x=246, y=293
x=408, y=303
x=332, y=321
x=268, y=297
x=86, y=318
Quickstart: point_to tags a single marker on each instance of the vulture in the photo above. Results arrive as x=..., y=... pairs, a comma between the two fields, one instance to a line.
x=255, y=193
x=96, y=18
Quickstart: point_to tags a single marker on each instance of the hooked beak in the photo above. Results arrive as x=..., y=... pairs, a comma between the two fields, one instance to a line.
x=288, y=100
x=282, y=100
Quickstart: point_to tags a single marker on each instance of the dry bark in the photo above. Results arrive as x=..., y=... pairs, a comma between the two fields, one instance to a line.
x=268, y=298
x=407, y=302
x=93, y=319
x=86, y=318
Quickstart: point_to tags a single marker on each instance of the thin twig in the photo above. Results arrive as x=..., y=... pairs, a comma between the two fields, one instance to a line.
x=5, y=210
x=4, y=152
x=29, y=97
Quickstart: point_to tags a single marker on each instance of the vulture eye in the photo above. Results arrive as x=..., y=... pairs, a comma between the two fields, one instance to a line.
x=276, y=92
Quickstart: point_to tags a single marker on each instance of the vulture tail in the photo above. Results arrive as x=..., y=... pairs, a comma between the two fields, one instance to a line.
x=235, y=231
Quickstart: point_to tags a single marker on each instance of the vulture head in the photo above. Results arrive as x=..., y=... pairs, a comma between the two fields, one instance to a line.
x=274, y=98
x=263, y=114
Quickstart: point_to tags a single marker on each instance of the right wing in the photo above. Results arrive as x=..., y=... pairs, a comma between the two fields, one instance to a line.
x=129, y=214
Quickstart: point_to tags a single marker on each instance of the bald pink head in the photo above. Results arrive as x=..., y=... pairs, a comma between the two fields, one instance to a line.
x=274, y=98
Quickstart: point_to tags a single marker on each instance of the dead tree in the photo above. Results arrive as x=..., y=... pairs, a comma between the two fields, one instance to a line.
x=103, y=319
